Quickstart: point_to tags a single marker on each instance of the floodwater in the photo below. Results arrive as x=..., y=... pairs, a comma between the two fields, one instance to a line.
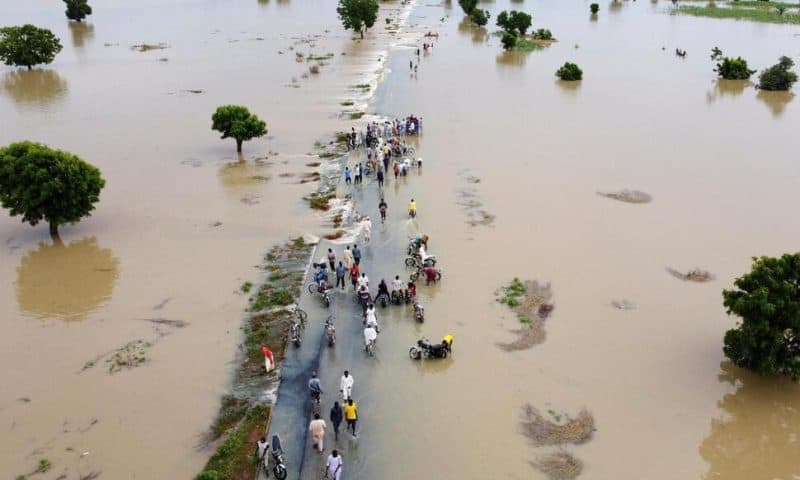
x=666, y=405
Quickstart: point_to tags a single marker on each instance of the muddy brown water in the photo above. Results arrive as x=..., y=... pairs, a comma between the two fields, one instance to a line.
x=664, y=403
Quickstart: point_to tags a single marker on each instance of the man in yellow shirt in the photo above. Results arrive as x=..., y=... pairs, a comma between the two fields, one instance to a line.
x=412, y=208
x=351, y=415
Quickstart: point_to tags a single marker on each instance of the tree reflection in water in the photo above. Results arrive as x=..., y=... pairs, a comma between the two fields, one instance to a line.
x=34, y=87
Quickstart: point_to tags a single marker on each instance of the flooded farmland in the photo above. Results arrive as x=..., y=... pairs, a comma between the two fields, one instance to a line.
x=183, y=221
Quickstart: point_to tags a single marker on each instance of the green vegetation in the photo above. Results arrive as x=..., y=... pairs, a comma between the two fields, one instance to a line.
x=246, y=287
x=319, y=58
x=468, y=6
x=234, y=458
x=594, y=8
x=358, y=15
x=298, y=242
x=77, y=9
x=235, y=121
x=356, y=115
x=543, y=34
x=752, y=14
x=479, y=17
x=779, y=76
x=509, y=41
x=27, y=46
x=44, y=465
x=232, y=410
x=767, y=299
x=569, y=72
x=525, y=44
x=512, y=293
x=41, y=183
x=364, y=87
x=763, y=4
x=347, y=103
x=730, y=68
x=319, y=201
x=514, y=21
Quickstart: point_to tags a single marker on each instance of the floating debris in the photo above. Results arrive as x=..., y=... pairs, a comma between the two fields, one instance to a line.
x=542, y=431
x=194, y=91
x=146, y=47
x=694, y=275
x=132, y=355
x=628, y=196
x=623, y=304
x=167, y=322
x=559, y=466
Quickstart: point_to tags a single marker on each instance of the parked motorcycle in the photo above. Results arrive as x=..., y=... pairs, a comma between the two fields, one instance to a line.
x=278, y=465
x=431, y=350
x=330, y=331
x=416, y=274
x=323, y=289
x=415, y=261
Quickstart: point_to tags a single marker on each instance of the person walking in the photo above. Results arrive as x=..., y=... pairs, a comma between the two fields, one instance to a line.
x=354, y=274
x=348, y=258
x=386, y=163
x=317, y=429
x=396, y=169
x=340, y=271
x=358, y=173
x=337, y=415
x=356, y=254
x=382, y=206
x=347, y=176
x=346, y=385
x=333, y=466
x=351, y=415
x=380, y=178
x=332, y=259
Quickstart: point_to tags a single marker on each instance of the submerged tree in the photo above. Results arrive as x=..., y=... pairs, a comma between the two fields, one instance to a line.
x=28, y=45
x=730, y=68
x=77, y=9
x=358, y=15
x=543, y=34
x=479, y=17
x=235, y=121
x=514, y=21
x=509, y=40
x=767, y=340
x=468, y=6
x=569, y=72
x=779, y=76
x=594, y=8
x=41, y=183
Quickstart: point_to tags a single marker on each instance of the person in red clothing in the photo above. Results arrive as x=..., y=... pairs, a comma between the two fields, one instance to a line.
x=354, y=274
x=269, y=361
x=430, y=274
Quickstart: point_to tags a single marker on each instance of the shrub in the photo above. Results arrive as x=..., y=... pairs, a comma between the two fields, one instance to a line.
x=479, y=17
x=543, y=34
x=594, y=8
x=778, y=76
x=468, y=5
x=569, y=72
x=733, y=69
x=509, y=40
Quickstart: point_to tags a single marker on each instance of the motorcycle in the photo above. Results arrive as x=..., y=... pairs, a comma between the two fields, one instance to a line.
x=397, y=297
x=363, y=299
x=419, y=312
x=278, y=465
x=330, y=331
x=294, y=334
x=323, y=289
x=415, y=275
x=415, y=261
x=382, y=299
x=429, y=350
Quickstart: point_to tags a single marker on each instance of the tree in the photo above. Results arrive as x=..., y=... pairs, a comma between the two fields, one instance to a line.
x=77, y=9
x=779, y=76
x=27, y=46
x=569, y=72
x=479, y=17
x=768, y=301
x=594, y=8
x=358, y=15
x=468, y=6
x=41, y=183
x=509, y=40
x=730, y=68
x=514, y=21
x=235, y=121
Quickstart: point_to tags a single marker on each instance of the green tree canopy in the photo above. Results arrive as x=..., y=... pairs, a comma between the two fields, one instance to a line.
x=569, y=72
x=509, y=40
x=779, y=76
x=77, y=9
x=730, y=68
x=514, y=21
x=479, y=17
x=358, y=15
x=41, y=183
x=235, y=121
x=27, y=46
x=594, y=8
x=468, y=6
x=768, y=301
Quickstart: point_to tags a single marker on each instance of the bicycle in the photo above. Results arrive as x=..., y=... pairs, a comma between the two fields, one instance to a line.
x=301, y=316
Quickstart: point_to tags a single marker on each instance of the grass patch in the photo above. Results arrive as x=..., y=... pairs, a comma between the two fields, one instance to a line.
x=347, y=103
x=232, y=410
x=298, y=242
x=762, y=4
x=527, y=45
x=356, y=115
x=276, y=275
x=512, y=293
x=751, y=14
x=234, y=458
x=319, y=201
x=246, y=287
x=362, y=86
x=319, y=58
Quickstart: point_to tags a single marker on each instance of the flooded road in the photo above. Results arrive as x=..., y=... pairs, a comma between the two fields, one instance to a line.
x=716, y=158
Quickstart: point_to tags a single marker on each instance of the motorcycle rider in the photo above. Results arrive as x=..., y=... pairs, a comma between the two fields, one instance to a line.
x=447, y=342
x=411, y=291
x=397, y=287
x=363, y=281
x=321, y=277
x=383, y=289
x=370, y=318
x=370, y=336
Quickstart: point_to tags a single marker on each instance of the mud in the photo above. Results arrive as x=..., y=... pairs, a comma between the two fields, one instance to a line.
x=559, y=466
x=543, y=432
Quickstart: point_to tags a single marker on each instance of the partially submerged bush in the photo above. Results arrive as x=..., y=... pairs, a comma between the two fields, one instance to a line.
x=730, y=68
x=594, y=8
x=779, y=76
x=479, y=17
x=509, y=41
x=569, y=72
x=543, y=34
